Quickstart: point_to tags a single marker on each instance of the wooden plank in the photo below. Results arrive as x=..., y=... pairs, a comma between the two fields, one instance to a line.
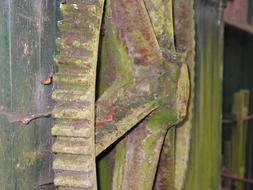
x=239, y=135
x=26, y=49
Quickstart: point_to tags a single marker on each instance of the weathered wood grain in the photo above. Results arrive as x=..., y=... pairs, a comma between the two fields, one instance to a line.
x=27, y=35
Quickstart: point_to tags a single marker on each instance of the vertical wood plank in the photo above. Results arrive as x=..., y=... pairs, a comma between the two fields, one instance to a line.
x=239, y=135
x=26, y=48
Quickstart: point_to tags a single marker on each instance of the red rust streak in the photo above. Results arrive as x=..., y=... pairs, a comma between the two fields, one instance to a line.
x=135, y=30
x=106, y=119
x=47, y=81
x=235, y=178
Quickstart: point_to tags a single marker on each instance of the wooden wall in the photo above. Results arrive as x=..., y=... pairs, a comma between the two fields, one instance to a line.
x=27, y=33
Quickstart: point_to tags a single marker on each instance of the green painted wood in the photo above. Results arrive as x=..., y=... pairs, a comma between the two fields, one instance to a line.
x=205, y=150
x=27, y=35
x=239, y=136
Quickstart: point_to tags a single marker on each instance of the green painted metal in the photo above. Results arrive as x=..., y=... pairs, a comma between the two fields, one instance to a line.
x=205, y=150
x=26, y=48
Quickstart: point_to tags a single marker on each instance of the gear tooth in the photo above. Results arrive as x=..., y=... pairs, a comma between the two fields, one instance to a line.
x=82, y=28
x=74, y=72
x=71, y=87
x=77, y=7
x=71, y=145
x=72, y=95
x=74, y=44
x=71, y=110
x=59, y=42
x=72, y=62
x=96, y=3
x=73, y=179
x=72, y=129
x=72, y=163
x=68, y=8
x=79, y=79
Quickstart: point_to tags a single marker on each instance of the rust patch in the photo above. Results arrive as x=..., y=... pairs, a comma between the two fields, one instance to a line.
x=182, y=25
x=26, y=50
x=134, y=29
x=47, y=81
x=108, y=117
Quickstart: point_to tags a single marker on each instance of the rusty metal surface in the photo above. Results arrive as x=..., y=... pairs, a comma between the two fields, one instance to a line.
x=134, y=29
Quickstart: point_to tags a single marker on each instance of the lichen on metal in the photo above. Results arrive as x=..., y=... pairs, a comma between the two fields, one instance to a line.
x=74, y=112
